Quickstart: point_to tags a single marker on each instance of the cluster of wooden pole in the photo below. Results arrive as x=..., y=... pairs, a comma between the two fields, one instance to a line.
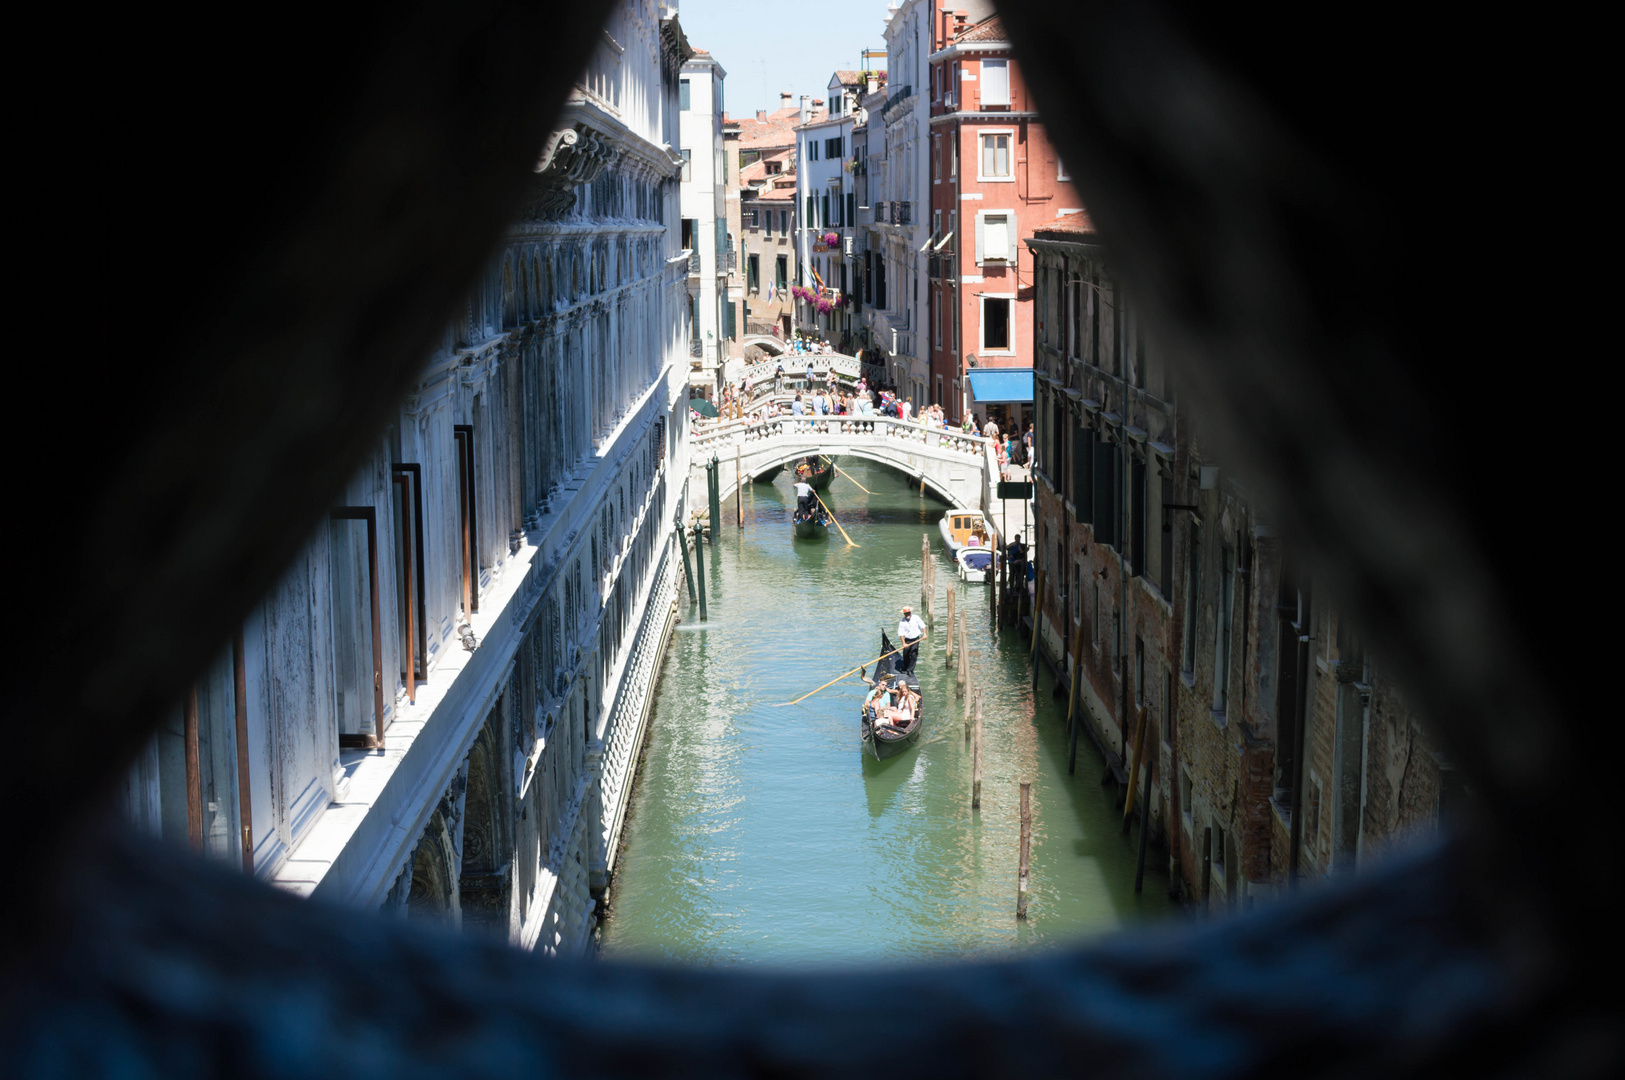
x=956, y=651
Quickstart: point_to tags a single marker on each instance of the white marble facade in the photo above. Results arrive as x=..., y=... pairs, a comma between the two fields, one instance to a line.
x=513, y=538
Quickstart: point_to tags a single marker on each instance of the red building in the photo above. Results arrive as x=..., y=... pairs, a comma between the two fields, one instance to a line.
x=995, y=178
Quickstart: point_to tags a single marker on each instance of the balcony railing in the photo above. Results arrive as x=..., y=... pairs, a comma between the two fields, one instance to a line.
x=902, y=213
x=696, y=348
x=733, y=261
x=694, y=262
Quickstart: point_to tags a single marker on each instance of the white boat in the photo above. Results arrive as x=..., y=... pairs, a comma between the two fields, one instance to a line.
x=958, y=526
x=975, y=563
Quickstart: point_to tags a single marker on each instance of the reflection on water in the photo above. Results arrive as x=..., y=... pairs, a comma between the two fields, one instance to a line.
x=761, y=832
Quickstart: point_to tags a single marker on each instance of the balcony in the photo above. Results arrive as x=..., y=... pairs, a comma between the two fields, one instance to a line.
x=902, y=213
x=733, y=262
x=693, y=262
x=696, y=348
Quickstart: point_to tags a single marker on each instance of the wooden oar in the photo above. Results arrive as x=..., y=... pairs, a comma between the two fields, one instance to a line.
x=839, y=677
x=844, y=473
x=849, y=541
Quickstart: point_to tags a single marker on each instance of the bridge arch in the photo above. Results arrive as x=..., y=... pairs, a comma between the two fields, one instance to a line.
x=879, y=457
x=766, y=342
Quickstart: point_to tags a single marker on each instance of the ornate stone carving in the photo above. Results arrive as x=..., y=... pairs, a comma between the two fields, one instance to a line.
x=570, y=158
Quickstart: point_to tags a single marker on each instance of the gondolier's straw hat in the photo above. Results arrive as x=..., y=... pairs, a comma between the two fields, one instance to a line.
x=907, y=609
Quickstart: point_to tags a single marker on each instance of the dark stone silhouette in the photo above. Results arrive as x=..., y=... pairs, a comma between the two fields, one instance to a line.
x=296, y=209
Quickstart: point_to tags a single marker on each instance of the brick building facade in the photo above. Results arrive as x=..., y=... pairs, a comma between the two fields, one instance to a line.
x=1276, y=747
x=994, y=176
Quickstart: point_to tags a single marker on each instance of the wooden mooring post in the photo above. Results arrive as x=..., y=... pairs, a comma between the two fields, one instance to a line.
x=998, y=591
x=1134, y=769
x=964, y=653
x=699, y=567
x=1072, y=718
x=976, y=757
x=948, y=638
x=1038, y=623
x=925, y=575
x=1026, y=848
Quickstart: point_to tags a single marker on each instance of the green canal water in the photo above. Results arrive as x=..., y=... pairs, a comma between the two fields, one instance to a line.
x=764, y=834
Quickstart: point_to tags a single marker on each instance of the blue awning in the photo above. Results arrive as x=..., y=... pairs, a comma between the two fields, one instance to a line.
x=1001, y=386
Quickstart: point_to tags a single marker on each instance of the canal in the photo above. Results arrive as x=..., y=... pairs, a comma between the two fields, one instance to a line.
x=760, y=833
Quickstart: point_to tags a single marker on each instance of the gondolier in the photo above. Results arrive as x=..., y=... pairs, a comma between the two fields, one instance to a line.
x=804, y=496
x=911, y=629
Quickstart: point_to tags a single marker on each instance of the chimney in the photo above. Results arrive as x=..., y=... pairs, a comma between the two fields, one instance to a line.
x=761, y=114
x=804, y=111
x=784, y=99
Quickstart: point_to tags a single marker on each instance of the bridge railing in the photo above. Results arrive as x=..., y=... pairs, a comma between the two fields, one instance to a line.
x=746, y=432
x=795, y=366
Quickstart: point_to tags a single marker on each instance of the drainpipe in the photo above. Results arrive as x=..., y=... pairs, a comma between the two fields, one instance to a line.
x=1122, y=543
x=1299, y=703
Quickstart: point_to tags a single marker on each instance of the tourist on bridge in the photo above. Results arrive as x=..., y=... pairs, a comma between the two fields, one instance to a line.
x=809, y=375
x=796, y=407
x=911, y=629
x=778, y=378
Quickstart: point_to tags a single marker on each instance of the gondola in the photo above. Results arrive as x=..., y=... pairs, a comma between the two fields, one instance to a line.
x=886, y=742
x=820, y=470
x=812, y=524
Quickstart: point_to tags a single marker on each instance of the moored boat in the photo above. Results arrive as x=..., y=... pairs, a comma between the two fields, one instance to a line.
x=959, y=527
x=975, y=563
x=885, y=740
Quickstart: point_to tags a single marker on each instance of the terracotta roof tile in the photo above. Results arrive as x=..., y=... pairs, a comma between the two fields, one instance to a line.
x=989, y=29
x=1068, y=226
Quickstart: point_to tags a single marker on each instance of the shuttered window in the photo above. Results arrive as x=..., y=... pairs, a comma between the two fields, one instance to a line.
x=1082, y=463
x=1105, y=483
x=356, y=618
x=995, y=82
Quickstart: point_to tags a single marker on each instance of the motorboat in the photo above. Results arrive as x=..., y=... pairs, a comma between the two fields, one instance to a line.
x=975, y=563
x=964, y=528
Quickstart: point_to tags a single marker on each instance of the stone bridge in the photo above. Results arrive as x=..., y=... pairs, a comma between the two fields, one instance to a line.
x=847, y=368
x=960, y=468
